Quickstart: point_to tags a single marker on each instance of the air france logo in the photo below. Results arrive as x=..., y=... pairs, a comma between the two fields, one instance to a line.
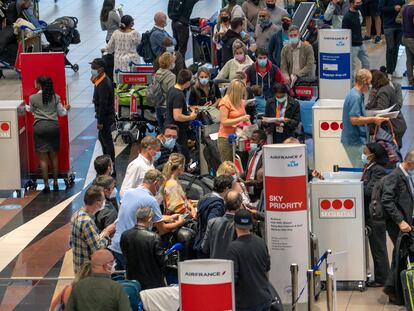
x=205, y=274
x=337, y=208
x=293, y=164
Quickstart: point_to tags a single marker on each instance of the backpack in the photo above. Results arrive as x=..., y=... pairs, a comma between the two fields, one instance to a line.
x=375, y=207
x=144, y=47
x=175, y=9
x=209, y=115
x=155, y=95
x=195, y=186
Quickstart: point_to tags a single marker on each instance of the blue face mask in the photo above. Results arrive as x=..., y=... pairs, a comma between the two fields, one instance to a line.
x=243, y=34
x=253, y=147
x=169, y=143
x=294, y=40
x=204, y=81
x=170, y=49
x=364, y=158
x=262, y=62
x=156, y=156
x=281, y=100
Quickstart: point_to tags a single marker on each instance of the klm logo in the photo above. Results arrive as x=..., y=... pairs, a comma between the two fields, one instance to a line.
x=293, y=164
x=340, y=43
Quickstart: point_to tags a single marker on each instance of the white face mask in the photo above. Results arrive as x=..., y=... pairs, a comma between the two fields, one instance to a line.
x=102, y=206
x=113, y=268
x=113, y=193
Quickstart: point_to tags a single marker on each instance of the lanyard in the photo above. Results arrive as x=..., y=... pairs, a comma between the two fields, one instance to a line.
x=279, y=110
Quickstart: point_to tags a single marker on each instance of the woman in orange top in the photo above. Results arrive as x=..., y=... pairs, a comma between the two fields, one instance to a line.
x=232, y=115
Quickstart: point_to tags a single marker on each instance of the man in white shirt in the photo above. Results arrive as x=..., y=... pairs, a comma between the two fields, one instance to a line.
x=134, y=175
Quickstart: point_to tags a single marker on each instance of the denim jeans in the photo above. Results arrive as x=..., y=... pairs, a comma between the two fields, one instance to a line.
x=409, y=51
x=160, y=112
x=393, y=38
x=359, y=52
x=263, y=307
x=119, y=260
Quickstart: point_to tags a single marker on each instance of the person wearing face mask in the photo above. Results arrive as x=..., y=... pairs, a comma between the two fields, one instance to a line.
x=236, y=32
x=375, y=158
x=85, y=237
x=168, y=141
x=251, y=10
x=158, y=33
x=276, y=12
x=98, y=291
x=335, y=12
x=204, y=92
x=103, y=100
x=135, y=172
x=178, y=111
x=264, y=29
x=398, y=205
x=166, y=80
x=220, y=29
x=142, y=248
x=167, y=46
x=278, y=40
x=354, y=120
x=238, y=63
x=297, y=59
x=141, y=197
x=264, y=73
x=352, y=20
x=109, y=212
x=285, y=108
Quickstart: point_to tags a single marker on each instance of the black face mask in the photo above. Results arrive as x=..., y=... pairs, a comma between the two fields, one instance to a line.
x=357, y=7
x=271, y=5
x=225, y=19
x=256, y=2
x=285, y=26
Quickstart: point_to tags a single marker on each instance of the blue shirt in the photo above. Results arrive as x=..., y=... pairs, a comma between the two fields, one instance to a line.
x=353, y=107
x=127, y=217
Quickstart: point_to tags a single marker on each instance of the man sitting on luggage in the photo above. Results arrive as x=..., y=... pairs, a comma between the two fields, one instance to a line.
x=158, y=33
x=168, y=141
x=143, y=253
x=109, y=211
x=220, y=230
x=254, y=164
x=297, y=60
x=211, y=206
x=98, y=291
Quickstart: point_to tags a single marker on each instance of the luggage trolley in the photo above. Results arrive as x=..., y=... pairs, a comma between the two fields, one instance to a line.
x=204, y=50
x=132, y=114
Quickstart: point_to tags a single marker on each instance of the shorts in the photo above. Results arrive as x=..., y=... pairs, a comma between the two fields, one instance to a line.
x=371, y=8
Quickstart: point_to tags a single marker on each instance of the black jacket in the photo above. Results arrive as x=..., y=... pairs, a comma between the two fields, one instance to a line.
x=209, y=207
x=187, y=11
x=227, y=48
x=397, y=198
x=103, y=99
x=292, y=112
x=107, y=215
x=144, y=257
x=371, y=176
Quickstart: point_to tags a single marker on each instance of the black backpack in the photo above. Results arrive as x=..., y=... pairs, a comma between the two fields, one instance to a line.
x=175, y=9
x=375, y=207
x=144, y=47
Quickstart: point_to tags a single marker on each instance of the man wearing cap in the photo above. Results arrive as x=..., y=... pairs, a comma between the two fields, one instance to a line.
x=103, y=99
x=251, y=264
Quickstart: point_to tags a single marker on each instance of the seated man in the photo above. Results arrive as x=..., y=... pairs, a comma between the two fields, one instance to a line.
x=158, y=33
x=143, y=253
x=298, y=60
x=211, y=206
x=109, y=212
x=98, y=291
x=168, y=141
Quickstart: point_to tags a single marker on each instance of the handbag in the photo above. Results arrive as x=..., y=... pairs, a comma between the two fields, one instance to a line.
x=388, y=141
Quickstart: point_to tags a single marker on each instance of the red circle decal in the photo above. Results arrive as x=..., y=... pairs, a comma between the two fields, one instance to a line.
x=334, y=126
x=337, y=204
x=325, y=126
x=325, y=204
x=5, y=127
x=349, y=204
x=342, y=126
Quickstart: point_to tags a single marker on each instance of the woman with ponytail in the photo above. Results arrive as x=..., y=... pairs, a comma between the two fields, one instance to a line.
x=175, y=200
x=123, y=44
x=46, y=107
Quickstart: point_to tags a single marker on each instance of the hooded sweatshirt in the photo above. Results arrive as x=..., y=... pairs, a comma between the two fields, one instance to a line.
x=166, y=79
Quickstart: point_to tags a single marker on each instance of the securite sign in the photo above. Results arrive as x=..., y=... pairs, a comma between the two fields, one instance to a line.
x=337, y=208
x=287, y=232
x=207, y=285
x=5, y=129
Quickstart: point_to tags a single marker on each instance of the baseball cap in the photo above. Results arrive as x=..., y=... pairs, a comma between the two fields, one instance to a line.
x=98, y=63
x=243, y=219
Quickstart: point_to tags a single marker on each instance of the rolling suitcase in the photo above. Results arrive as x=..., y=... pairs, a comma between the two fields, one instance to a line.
x=407, y=281
x=314, y=260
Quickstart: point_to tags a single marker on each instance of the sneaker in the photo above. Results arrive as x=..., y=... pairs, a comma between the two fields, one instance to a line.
x=366, y=38
x=377, y=40
x=396, y=75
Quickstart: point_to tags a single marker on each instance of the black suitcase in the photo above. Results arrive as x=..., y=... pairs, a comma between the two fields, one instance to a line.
x=407, y=282
x=314, y=246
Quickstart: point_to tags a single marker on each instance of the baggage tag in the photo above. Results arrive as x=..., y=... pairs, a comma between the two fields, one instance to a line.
x=279, y=129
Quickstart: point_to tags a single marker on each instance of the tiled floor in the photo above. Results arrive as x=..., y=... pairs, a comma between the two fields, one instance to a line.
x=35, y=260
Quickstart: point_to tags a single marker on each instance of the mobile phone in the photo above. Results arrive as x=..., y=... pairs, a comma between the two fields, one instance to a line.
x=185, y=216
x=193, y=165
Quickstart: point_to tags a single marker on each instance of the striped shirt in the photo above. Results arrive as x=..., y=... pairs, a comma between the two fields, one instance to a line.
x=85, y=238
